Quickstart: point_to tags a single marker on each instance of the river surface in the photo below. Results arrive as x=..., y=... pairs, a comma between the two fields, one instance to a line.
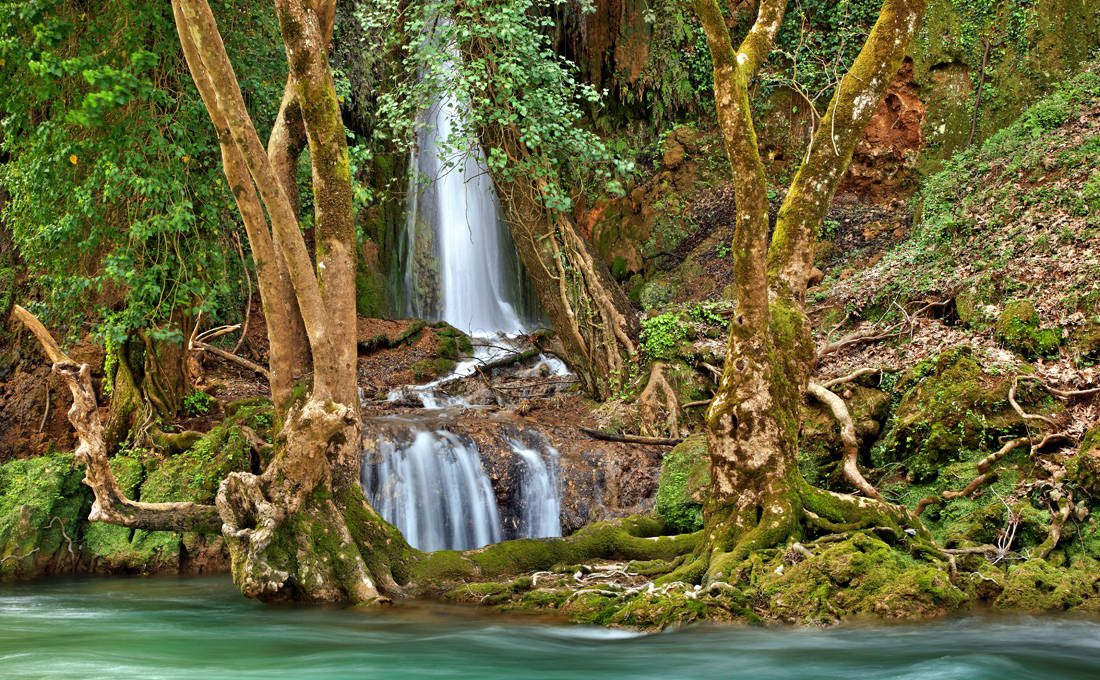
x=153, y=628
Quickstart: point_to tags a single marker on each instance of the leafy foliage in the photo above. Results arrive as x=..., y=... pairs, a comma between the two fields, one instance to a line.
x=495, y=57
x=114, y=171
x=662, y=336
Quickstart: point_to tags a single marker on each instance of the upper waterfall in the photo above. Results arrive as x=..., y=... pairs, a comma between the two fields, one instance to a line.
x=460, y=266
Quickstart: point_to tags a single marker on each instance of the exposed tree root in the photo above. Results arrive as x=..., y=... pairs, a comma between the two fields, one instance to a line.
x=848, y=435
x=657, y=397
x=829, y=384
x=786, y=520
x=632, y=538
x=1065, y=506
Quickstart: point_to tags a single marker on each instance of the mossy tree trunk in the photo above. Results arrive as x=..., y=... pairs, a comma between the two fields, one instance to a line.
x=758, y=496
x=149, y=382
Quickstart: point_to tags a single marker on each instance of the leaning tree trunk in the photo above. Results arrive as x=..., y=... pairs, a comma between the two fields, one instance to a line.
x=593, y=318
x=758, y=497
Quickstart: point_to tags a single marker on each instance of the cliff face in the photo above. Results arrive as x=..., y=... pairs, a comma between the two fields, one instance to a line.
x=650, y=59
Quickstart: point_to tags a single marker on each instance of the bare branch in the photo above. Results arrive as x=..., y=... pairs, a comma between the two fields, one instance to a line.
x=111, y=505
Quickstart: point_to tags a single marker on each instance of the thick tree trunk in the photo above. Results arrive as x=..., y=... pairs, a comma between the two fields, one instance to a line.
x=149, y=382
x=758, y=496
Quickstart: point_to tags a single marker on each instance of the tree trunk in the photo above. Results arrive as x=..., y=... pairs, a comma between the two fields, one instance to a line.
x=594, y=321
x=149, y=383
x=758, y=496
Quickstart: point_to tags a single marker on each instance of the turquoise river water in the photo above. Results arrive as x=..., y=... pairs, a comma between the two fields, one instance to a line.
x=153, y=628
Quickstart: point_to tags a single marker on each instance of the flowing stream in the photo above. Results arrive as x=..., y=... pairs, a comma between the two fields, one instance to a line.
x=181, y=629
x=460, y=268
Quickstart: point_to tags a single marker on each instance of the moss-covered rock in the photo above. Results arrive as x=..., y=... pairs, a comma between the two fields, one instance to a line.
x=1039, y=586
x=685, y=476
x=1083, y=470
x=856, y=577
x=950, y=410
x=1018, y=330
x=41, y=501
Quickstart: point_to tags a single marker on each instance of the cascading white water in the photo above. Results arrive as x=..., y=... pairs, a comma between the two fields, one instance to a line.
x=540, y=494
x=460, y=267
x=434, y=490
x=454, y=227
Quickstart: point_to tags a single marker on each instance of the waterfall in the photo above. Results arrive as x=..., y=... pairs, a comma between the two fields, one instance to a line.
x=434, y=490
x=431, y=484
x=460, y=267
x=540, y=493
x=460, y=264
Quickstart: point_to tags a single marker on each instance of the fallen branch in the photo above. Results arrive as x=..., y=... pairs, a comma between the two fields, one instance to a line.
x=629, y=438
x=514, y=358
x=859, y=337
x=847, y=435
x=200, y=346
x=207, y=336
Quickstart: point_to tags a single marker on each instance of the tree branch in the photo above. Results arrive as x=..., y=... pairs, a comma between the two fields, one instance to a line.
x=111, y=505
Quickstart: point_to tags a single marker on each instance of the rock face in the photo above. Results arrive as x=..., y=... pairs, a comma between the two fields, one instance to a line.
x=598, y=480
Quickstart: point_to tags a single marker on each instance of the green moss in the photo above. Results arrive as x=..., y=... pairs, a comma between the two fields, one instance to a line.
x=855, y=577
x=39, y=496
x=429, y=369
x=1018, y=330
x=685, y=475
x=950, y=410
x=1039, y=586
x=1083, y=469
x=194, y=475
